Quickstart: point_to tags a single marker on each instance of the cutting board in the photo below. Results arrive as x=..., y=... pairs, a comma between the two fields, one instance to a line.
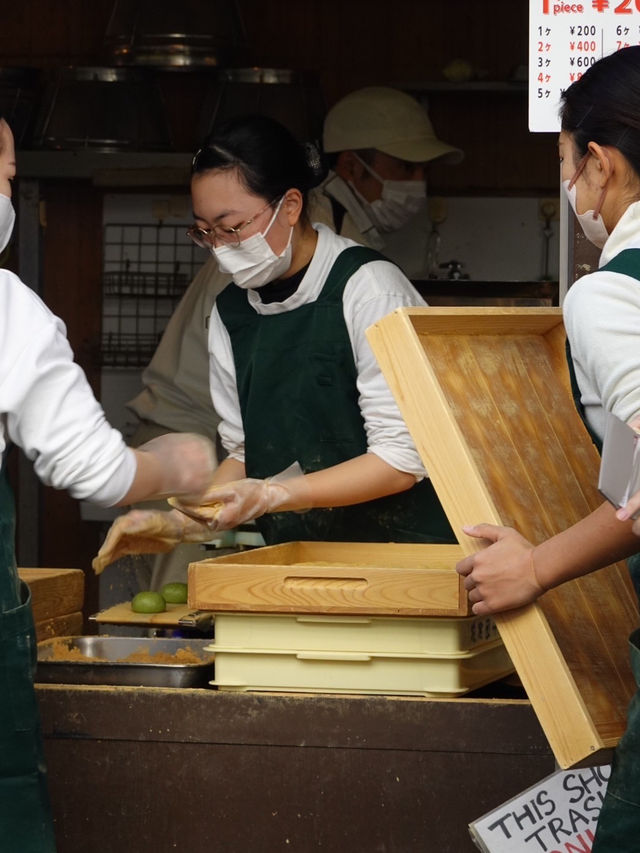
x=122, y=614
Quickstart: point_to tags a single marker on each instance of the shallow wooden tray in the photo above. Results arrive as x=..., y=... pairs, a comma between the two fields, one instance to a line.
x=333, y=577
x=486, y=395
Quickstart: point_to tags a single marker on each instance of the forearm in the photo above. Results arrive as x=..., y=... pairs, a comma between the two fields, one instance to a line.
x=228, y=471
x=596, y=541
x=147, y=482
x=179, y=464
x=357, y=480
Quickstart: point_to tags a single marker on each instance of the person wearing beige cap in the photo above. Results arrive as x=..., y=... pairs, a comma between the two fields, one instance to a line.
x=379, y=142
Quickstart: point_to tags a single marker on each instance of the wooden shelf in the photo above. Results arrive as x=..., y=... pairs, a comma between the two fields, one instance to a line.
x=118, y=168
x=512, y=87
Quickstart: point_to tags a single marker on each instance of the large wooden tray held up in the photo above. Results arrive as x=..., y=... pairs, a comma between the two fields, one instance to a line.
x=486, y=395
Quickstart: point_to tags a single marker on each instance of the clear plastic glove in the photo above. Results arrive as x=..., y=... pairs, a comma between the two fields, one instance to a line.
x=184, y=463
x=226, y=506
x=502, y=576
x=148, y=531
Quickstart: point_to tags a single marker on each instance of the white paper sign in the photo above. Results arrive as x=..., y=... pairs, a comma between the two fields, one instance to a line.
x=620, y=464
x=564, y=40
x=559, y=815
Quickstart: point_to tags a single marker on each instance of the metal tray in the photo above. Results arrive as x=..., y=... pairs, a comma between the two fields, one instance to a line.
x=104, y=661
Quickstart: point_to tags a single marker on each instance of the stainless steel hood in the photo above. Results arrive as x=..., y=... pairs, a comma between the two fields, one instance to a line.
x=102, y=109
x=170, y=34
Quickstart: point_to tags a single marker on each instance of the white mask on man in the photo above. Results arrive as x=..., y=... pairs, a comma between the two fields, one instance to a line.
x=7, y=221
x=398, y=203
x=593, y=226
x=253, y=262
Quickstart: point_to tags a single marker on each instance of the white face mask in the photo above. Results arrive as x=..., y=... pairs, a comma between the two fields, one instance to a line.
x=593, y=225
x=399, y=202
x=254, y=263
x=7, y=221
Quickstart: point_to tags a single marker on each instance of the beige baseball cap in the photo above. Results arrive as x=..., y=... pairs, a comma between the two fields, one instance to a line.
x=388, y=120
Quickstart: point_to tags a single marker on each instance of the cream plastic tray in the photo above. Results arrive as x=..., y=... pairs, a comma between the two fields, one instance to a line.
x=358, y=672
x=406, y=635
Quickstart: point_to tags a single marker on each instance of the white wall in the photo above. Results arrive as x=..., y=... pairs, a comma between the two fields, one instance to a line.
x=496, y=239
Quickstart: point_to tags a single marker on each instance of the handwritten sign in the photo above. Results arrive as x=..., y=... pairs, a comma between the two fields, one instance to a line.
x=559, y=815
x=567, y=38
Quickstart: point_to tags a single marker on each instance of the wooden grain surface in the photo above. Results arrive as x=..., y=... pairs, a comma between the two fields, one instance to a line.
x=69, y=625
x=379, y=554
x=487, y=403
x=332, y=577
x=122, y=614
x=54, y=592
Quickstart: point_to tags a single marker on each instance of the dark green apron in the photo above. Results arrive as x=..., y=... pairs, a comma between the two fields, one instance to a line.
x=25, y=816
x=297, y=387
x=618, y=829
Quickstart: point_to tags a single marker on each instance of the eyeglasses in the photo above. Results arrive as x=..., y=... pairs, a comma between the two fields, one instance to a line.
x=225, y=234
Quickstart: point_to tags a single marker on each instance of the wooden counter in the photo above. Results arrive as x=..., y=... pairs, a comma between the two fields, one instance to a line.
x=154, y=770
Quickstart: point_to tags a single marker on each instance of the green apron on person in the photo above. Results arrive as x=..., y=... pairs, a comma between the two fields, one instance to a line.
x=25, y=817
x=618, y=829
x=297, y=388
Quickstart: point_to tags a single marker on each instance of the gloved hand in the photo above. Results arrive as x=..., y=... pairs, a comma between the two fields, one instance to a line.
x=148, y=531
x=226, y=506
x=183, y=462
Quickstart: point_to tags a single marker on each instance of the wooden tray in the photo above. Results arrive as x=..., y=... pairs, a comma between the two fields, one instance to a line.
x=54, y=592
x=333, y=577
x=486, y=395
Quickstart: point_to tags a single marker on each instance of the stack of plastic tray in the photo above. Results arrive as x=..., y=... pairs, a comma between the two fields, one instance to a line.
x=346, y=618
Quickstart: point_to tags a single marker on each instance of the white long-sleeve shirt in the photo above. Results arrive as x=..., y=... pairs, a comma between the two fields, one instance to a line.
x=372, y=292
x=602, y=318
x=47, y=406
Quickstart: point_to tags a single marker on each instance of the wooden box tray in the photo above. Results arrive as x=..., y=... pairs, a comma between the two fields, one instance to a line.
x=54, y=592
x=486, y=395
x=333, y=577
x=57, y=597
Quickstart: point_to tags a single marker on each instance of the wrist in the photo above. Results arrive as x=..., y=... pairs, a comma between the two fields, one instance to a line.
x=535, y=574
x=292, y=495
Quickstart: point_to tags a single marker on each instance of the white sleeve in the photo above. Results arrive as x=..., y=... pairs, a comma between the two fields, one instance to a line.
x=602, y=319
x=49, y=408
x=374, y=291
x=224, y=389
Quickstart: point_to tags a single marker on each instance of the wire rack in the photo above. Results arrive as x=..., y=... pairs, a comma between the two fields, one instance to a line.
x=146, y=270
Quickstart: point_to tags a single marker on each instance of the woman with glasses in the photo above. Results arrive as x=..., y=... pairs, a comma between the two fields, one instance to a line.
x=292, y=375
x=599, y=147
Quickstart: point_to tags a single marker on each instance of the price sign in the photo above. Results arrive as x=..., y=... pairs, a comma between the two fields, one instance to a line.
x=564, y=40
